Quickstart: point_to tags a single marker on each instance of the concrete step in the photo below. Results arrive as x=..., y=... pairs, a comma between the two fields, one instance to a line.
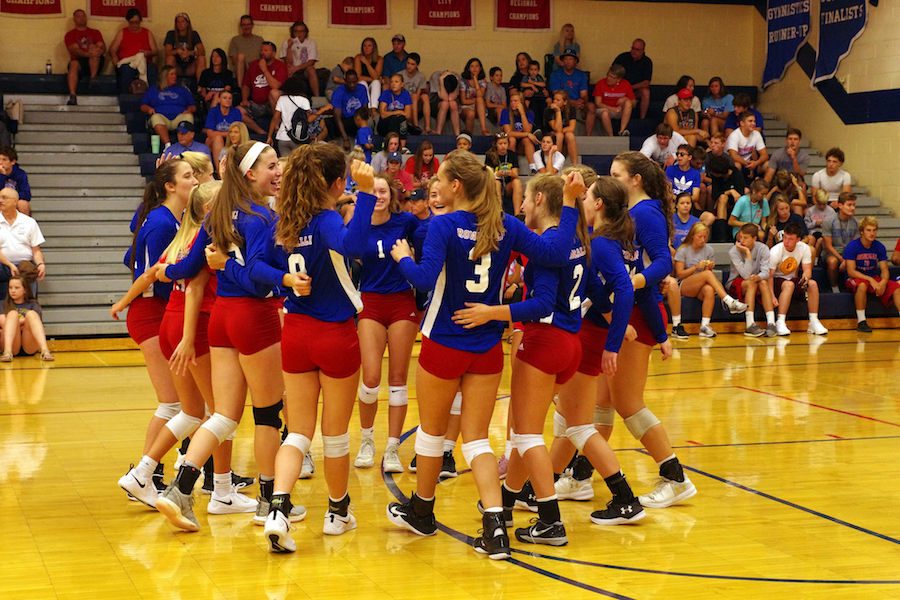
x=97, y=208
x=602, y=145
x=67, y=118
x=778, y=141
x=878, y=211
x=42, y=181
x=61, y=283
x=71, y=127
x=75, y=148
x=93, y=159
x=94, y=259
x=87, y=329
x=64, y=167
x=95, y=229
x=89, y=242
x=774, y=123
x=85, y=138
x=59, y=100
x=85, y=217
x=79, y=314
x=86, y=299
x=131, y=192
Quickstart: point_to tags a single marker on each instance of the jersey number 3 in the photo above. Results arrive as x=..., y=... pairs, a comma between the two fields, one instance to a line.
x=479, y=284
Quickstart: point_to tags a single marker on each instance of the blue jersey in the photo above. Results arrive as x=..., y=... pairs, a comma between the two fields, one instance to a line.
x=652, y=258
x=554, y=293
x=609, y=277
x=155, y=234
x=248, y=273
x=380, y=273
x=681, y=228
x=448, y=269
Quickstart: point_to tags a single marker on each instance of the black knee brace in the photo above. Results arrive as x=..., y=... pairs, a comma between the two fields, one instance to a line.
x=268, y=416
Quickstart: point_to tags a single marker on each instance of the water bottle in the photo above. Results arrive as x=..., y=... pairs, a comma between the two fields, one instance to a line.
x=48, y=68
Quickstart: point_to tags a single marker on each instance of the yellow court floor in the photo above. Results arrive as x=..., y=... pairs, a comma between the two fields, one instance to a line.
x=792, y=443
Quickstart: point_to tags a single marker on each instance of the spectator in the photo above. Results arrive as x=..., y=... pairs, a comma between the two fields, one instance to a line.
x=186, y=142
x=685, y=82
x=614, y=99
x=219, y=120
x=168, y=104
x=14, y=177
x=300, y=55
x=517, y=124
x=394, y=160
x=295, y=96
x=895, y=257
x=792, y=158
x=559, y=119
x=833, y=179
x=726, y=185
x=547, y=159
x=414, y=82
x=133, y=51
x=506, y=170
x=837, y=232
x=347, y=99
x=395, y=110
x=391, y=144
x=244, y=48
x=782, y=216
x=816, y=216
x=747, y=148
x=364, y=134
x=395, y=61
x=751, y=208
x=444, y=99
x=23, y=330
x=788, y=186
x=534, y=88
x=237, y=135
x=717, y=148
x=369, y=65
x=575, y=83
x=867, y=272
x=698, y=161
x=422, y=166
x=787, y=259
x=86, y=54
x=336, y=77
x=495, y=97
x=464, y=141
x=565, y=44
x=716, y=106
x=662, y=145
x=471, y=97
x=184, y=49
x=683, y=119
x=638, y=72
x=20, y=235
x=749, y=276
x=687, y=180
x=216, y=78
x=742, y=104
x=523, y=61
x=261, y=87
x=418, y=203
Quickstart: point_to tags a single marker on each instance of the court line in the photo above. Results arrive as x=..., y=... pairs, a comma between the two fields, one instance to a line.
x=772, y=366
x=741, y=444
x=792, y=343
x=813, y=404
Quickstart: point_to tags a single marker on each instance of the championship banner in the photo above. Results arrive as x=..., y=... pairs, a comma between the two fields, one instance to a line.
x=275, y=11
x=31, y=7
x=358, y=13
x=840, y=23
x=443, y=14
x=788, y=25
x=523, y=14
x=117, y=8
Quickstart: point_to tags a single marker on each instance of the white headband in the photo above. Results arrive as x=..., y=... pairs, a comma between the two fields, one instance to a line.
x=251, y=156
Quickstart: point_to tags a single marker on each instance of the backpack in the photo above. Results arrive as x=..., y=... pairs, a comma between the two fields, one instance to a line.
x=298, y=132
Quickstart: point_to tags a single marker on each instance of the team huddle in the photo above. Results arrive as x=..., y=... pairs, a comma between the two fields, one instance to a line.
x=245, y=285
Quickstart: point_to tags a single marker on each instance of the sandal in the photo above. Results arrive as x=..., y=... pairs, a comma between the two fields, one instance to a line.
x=6, y=358
x=47, y=356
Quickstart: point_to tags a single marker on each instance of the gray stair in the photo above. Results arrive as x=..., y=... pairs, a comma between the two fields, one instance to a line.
x=68, y=126
x=72, y=137
x=107, y=180
x=71, y=170
x=58, y=102
x=93, y=160
x=74, y=148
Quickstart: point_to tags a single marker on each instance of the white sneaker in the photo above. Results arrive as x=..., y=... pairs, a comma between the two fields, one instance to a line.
x=179, y=459
x=569, y=488
x=309, y=466
x=707, y=332
x=734, y=306
x=391, y=461
x=233, y=503
x=142, y=491
x=668, y=492
x=277, y=531
x=365, y=458
x=781, y=328
x=816, y=328
x=335, y=524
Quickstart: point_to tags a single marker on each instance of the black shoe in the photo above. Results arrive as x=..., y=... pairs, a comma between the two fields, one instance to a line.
x=73, y=101
x=507, y=514
x=538, y=532
x=582, y=468
x=863, y=327
x=403, y=515
x=525, y=499
x=679, y=333
x=240, y=482
x=617, y=513
x=448, y=467
x=208, y=483
x=158, y=482
x=493, y=540
x=412, y=465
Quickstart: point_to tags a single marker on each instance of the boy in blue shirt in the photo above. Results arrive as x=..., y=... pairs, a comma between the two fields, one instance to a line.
x=13, y=176
x=347, y=99
x=867, y=272
x=364, y=132
x=684, y=178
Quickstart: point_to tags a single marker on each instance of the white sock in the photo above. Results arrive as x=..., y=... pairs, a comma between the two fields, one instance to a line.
x=393, y=442
x=770, y=317
x=367, y=433
x=781, y=318
x=146, y=467
x=860, y=316
x=704, y=321
x=676, y=320
x=221, y=484
x=449, y=445
x=813, y=317
x=508, y=449
x=728, y=298
x=835, y=290
x=748, y=317
x=532, y=166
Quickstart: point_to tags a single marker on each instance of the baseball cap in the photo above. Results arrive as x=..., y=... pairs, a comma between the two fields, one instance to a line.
x=185, y=127
x=569, y=52
x=398, y=37
x=685, y=94
x=418, y=194
x=394, y=157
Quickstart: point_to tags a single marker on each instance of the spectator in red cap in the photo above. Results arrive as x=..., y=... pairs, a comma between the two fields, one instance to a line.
x=683, y=119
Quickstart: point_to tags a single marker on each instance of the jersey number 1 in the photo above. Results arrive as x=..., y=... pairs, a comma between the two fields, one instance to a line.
x=479, y=284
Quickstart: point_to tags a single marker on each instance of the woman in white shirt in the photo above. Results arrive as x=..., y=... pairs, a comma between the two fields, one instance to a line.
x=300, y=54
x=548, y=159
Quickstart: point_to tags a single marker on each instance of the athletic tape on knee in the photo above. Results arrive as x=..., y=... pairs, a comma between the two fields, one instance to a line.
x=475, y=448
x=640, y=422
x=399, y=395
x=335, y=446
x=183, y=425
x=167, y=410
x=580, y=434
x=268, y=416
x=368, y=395
x=523, y=442
x=559, y=425
x=429, y=445
x=456, y=407
x=604, y=415
x=220, y=426
x=298, y=441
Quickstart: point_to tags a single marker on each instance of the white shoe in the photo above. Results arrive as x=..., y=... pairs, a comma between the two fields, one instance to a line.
x=365, y=458
x=781, y=328
x=335, y=524
x=668, y=492
x=391, y=461
x=233, y=503
x=816, y=328
x=309, y=466
x=734, y=306
x=277, y=531
x=142, y=491
x=707, y=332
x=569, y=488
x=179, y=459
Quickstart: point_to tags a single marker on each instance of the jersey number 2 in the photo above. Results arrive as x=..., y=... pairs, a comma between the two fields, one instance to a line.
x=574, y=298
x=479, y=284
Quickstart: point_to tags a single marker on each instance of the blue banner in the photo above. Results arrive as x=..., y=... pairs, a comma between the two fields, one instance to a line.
x=787, y=24
x=840, y=23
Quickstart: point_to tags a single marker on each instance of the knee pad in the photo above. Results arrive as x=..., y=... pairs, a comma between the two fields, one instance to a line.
x=268, y=416
x=167, y=410
x=429, y=445
x=475, y=448
x=559, y=425
x=399, y=395
x=368, y=395
x=604, y=415
x=220, y=426
x=580, y=434
x=523, y=442
x=298, y=441
x=335, y=446
x=640, y=422
x=456, y=407
x=183, y=425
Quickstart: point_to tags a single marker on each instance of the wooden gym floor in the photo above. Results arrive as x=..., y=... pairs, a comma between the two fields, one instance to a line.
x=793, y=447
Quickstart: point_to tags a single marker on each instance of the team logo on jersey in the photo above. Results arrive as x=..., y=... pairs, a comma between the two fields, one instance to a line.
x=788, y=265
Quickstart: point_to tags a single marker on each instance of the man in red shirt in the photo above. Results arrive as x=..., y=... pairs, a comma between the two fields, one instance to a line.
x=261, y=86
x=614, y=99
x=86, y=49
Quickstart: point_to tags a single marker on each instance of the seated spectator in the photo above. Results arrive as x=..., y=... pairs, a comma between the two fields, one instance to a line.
x=14, y=177
x=559, y=119
x=685, y=82
x=662, y=145
x=517, y=124
x=716, y=106
x=534, y=88
x=815, y=218
x=390, y=145
x=614, y=99
x=833, y=179
x=792, y=158
x=168, y=104
x=716, y=147
x=347, y=99
x=336, y=77
x=782, y=216
x=686, y=179
x=394, y=160
x=395, y=111
x=369, y=65
x=23, y=330
x=751, y=208
x=300, y=55
x=790, y=268
x=184, y=49
x=749, y=277
x=418, y=204
x=86, y=54
x=867, y=272
x=565, y=44
x=523, y=61
x=547, y=159
x=364, y=134
x=186, y=142
x=414, y=82
x=471, y=97
x=575, y=83
x=243, y=49
x=726, y=185
x=505, y=163
x=261, y=87
x=895, y=257
x=216, y=78
x=20, y=235
x=495, y=97
x=395, y=60
x=444, y=99
x=742, y=104
x=698, y=161
x=638, y=72
x=133, y=51
x=747, y=148
x=837, y=232
x=682, y=219
x=787, y=185
x=219, y=120
x=295, y=95
x=422, y=166
x=683, y=119
x=464, y=141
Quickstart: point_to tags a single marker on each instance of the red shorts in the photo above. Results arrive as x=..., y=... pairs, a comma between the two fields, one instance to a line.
x=551, y=350
x=644, y=335
x=308, y=344
x=387, y=309
x=593, y=341
x=449, y=363
x=246, y=324
x=737, y=289
x=144, y=318
x=172, y=328
x=888, y=295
